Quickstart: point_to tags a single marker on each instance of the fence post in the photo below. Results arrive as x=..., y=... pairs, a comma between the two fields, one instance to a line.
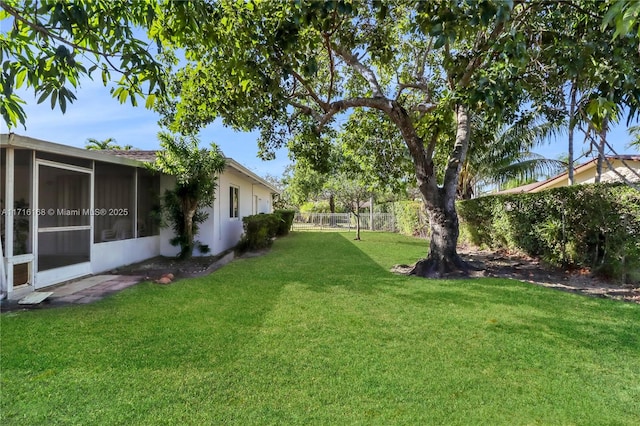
x=371, y=227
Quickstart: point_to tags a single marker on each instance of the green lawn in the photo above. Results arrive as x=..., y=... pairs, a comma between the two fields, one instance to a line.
x=319, y=332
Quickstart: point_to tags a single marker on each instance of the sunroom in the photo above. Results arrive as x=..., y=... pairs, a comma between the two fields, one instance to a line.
x=68, y=212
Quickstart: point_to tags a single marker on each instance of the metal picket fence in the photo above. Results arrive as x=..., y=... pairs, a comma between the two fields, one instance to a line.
x=343, y=222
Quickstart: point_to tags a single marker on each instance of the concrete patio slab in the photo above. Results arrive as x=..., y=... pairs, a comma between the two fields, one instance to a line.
x=82, y=284
x=81, y=291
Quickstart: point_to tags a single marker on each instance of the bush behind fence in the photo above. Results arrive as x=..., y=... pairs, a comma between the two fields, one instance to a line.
x=343, y=222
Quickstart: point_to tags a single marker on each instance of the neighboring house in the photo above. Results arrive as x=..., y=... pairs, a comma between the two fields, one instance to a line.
x=625, y=165
x=69, y=212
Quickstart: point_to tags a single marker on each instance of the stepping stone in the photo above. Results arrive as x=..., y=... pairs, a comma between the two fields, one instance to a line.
x=35, y=298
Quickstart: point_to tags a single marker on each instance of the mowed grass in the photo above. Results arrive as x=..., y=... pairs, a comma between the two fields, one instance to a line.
x=319, y=332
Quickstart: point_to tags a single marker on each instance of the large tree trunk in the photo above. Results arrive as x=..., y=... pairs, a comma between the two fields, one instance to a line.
x=443, y=258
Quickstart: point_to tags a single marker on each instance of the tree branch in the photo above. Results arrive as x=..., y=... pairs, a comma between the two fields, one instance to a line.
x=423, y=108
x=381, y=104
x=459, y=150
x=331, y=66
x=46, y=32
x=432, y=144
x=476, y=62
x=364, y=71
x=419, y=86
x=311, y=92
x=305, y=109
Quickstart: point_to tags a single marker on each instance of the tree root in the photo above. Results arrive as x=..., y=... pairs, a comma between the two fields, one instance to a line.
x=443, y=267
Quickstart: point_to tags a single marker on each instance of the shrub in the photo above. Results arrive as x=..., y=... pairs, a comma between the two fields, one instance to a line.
x=411, y=218
x=595, y=226
x=259, y=231
x=285, y=221
x=315, y=207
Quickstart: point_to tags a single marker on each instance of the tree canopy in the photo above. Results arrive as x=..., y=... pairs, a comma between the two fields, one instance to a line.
x=49, y=46
x=424, y=70
x=109, y=143
x=405, y=78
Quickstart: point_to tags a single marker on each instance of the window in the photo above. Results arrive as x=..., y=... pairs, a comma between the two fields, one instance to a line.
x=114, y=200
x=233, y=202
x=22, y=198
x=149, y=213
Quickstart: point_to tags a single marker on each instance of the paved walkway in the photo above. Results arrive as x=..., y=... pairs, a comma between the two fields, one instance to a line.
x=82, y=291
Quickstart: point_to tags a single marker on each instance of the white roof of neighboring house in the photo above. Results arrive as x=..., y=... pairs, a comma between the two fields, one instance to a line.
x=133, y=158
x=563, y=177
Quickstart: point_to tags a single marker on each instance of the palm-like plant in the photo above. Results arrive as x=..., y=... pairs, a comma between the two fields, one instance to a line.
x=107, y=144
x=635, y=133
x=506, y=154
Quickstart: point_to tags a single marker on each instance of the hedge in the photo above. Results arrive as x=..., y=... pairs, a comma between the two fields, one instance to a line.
x=285, y=221
x=411, y=218
x=259, y=229
x=595, y=226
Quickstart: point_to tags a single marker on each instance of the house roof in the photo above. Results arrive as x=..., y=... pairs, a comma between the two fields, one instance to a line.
x=519, y=189
x=135, y=154
x=134, y=158
x=25, y=142
x=150, y=156
x=579, y=169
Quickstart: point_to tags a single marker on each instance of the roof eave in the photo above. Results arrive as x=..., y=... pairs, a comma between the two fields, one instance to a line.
x=25, y=142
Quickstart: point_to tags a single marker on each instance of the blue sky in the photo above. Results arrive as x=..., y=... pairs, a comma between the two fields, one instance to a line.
x=97, y=115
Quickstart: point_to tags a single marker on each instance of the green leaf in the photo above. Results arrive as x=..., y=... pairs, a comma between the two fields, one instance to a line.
x=150, y=101
x=105, y=76
x=440, y=41
x=122, y=96
x=63, y=103
x=45, y=94
x=54, y=98
x=20, y=77
x=436, y=29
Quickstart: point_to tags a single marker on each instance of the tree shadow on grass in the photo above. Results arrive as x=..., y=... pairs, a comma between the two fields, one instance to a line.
x=542, y=313
x=537, y=314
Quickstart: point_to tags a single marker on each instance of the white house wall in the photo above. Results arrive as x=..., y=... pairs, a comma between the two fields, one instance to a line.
x=114, y=254
x=222, y=232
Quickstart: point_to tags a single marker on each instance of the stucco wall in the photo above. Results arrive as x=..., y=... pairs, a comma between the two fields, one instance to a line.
x=220, y=231
x=113, y=254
